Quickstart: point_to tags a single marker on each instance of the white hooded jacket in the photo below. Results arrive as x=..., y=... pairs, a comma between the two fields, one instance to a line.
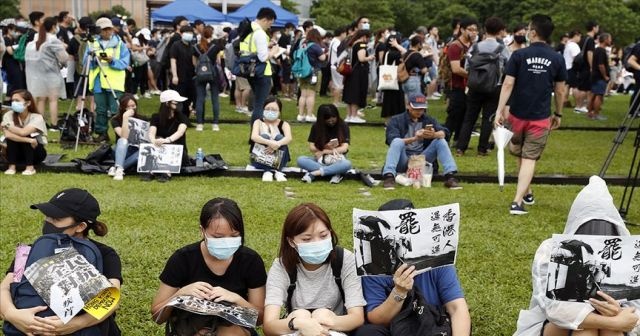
x=593, y=202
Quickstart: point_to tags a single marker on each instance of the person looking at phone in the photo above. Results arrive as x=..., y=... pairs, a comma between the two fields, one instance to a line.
x=107, y=74
x=329, y=144
x=414, y=133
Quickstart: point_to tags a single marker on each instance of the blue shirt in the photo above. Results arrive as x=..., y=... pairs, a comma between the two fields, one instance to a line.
x=439, y=286
x=536, y=70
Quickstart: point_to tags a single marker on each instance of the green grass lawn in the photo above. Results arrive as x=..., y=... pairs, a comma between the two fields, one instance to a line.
x=149, y=221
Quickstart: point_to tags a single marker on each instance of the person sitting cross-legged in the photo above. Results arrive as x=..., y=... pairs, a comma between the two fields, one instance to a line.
x=412, y=133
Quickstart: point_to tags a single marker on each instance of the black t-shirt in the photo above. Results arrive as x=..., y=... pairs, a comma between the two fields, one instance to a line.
x=536, y=70
x=599, y=58
x=284, y=41
x=171, y=127
x=8, y=61
x=589, y=45
x=72, y=47
x=332, y=133
x=63, y=34
x=634, y=52
x=187, y=265
x=414, y=62
x=184, y=63
x=354, y=53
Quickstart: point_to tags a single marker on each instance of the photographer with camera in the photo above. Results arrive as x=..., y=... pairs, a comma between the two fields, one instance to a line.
x=109, y=61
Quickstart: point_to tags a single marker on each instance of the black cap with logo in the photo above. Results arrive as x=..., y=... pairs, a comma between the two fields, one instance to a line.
x=73, y=202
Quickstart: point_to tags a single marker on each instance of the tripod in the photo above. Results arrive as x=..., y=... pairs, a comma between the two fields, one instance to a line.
x=632, y=179
x=84, y=76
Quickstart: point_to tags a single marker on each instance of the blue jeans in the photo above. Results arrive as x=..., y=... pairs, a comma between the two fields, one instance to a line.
x=397, y=158
x=411, y=86
x=126, y=156
x=261, y=88
x=285, y=159
x=310, y=164
x=201, y=95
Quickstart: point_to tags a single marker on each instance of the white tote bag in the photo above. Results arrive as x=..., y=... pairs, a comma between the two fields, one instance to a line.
x=388, y=79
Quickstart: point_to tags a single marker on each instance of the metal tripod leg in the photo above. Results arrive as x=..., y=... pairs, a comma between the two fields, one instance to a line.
x=632, y=180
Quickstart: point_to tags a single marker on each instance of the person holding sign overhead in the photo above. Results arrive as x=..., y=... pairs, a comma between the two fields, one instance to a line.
x=73, y=212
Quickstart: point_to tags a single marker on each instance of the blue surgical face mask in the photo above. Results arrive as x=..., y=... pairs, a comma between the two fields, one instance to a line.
x=17, y=107
x=271, y=115
x=315, y=253
x=187, y=37
x=365, y=26
x=223, y=248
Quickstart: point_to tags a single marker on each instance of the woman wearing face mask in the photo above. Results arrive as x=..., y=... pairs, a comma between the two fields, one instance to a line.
x=275, y=134
x=169, y=126
x=217, y=268
x=182, y=67
x=308, y=246
x=26, y=133
x=519, y=38
x=73, y=212
x=329, y=143
x=208, y=47
x=43, y=57
x=357, y=83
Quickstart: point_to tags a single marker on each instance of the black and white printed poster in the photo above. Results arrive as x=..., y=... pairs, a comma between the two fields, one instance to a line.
x=581, y=265
x=67, y=282
x=138, y=132
x=242, y=316
x=426, y=238
x=163, y=159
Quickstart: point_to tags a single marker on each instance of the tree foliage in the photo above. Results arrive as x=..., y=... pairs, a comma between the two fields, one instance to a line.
x=336, y=13
x=116, y=10
x=9, y=8
x=290, y=5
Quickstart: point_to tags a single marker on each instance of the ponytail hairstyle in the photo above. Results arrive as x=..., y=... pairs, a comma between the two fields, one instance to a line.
x=45, y=27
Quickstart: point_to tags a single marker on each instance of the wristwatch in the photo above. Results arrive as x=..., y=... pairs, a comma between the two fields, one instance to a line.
x=290, y=324
x=397, y=297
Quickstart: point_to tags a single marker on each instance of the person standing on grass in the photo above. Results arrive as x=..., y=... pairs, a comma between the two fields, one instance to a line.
x=357, y=83
x=209, y=47
x=219, y=268
x=532, y=75
x=183, y=69
x=599, y=77
x=316, y=54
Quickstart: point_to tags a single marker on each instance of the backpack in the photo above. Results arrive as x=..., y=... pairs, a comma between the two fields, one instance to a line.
x=301, y=66
x=336, y=268
x=25, y=296
x=418, y=318
x=205, y=71
x=485, y=70
x=403, y=72
x=82, y=47
x=69, y=127
x=626, y=54
x=444, y=66
x=579, y=62
x=18, y=54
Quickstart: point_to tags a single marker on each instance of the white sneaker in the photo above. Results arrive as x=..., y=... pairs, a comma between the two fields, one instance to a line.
x=267, y=176
x=335, y=179
x=300, y=118
x=155, y=92
x=360, y=113
x=147, y=95
x=215, y=127
x=580, y=110
x=119, y=174
x=136, y=97
x=29, y=172
x=347, y=119
x=403, y=180
x=239, y=109
x=10, y=172
x=310, y=118
x=199, y=127
x=280, y=176
x=437, y=94
x=246, y=111
x=112, y=171
x=223, y=95
x=358, y=120
x=433, y=97
x=307, y=178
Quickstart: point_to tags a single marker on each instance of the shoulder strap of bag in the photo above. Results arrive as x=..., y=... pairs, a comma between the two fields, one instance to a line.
x=293, y=277
x=336, y=268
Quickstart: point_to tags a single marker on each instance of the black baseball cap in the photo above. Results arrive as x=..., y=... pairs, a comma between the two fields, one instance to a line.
x=73, y=202
x=397, y=204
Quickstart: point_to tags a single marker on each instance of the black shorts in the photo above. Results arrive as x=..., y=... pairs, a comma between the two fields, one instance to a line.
x=572, y=79
x=584, y=81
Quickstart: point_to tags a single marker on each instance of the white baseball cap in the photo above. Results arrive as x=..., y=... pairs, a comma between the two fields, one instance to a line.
x=144, y=32
x=171, y=95
x=104, y=23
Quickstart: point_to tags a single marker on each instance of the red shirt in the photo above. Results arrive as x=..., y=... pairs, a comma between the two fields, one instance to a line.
x=456, y=52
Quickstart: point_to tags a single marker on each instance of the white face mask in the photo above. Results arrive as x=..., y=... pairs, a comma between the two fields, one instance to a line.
x=365, y=26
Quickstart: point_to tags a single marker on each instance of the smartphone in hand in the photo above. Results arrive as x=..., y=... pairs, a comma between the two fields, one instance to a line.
x=428, y=127
x=334, y=142
x=103, y=55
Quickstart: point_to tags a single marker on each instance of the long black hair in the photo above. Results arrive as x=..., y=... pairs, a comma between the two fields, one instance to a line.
x=164, y=114
x=326, y=111
x=122, y=108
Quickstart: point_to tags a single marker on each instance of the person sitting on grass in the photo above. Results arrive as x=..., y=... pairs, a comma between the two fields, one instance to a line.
x=275, y=134
x=329, y=143
x=219, y=268
x=73, y=212
x=126, y=153
x=26, y=133
x=169, y=126
x=592, y=213
x=308, y=249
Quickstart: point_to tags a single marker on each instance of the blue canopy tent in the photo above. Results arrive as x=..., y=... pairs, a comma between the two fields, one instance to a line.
x=251, y=9
x=191, y=9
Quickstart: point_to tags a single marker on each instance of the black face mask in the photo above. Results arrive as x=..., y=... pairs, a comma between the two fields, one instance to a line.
x=48, y=227
x=520, y=39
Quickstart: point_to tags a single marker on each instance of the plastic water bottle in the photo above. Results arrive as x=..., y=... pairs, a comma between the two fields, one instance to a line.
x=199, y=158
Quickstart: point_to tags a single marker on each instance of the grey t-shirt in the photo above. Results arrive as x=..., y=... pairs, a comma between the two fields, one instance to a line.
x=415, y=147
x=316, y=289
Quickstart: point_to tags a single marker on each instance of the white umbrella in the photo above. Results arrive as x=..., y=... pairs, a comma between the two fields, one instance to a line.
x=501, y=136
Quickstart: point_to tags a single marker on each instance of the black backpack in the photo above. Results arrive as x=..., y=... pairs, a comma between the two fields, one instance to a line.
x=485, y=70
x=626, y=54
x=580, y=61
x=205, y=71
x=418, y=318
x=69, y=127
x=336, y=268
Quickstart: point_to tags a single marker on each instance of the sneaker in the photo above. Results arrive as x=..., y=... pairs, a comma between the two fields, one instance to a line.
x=162, y=178
x=199, y=127
x=433, y=97
x=215, y=128
x=119, y=174
x=437, y=94
x=223, y=95
x=389, y=182
x=147, y=177
x=136, y=97
x=280, y=177
x=267, y=176
x=246, y=111
x=360, y=113
x=112, y=171
x=155, y=92
x=452, y=183
x=310, y=118
x=300, y=118
x=517, y=209
x=367, y=180
x=10, y=172
x=347, y=119
x=528, y=199
x=239, y=109
x=307, y=178
x=335, y=179
x=54, y=128
x=580, y=110
x=483, y=153
x=147, y=95
x=29, y=172
x=358, y=120
x=401, y=179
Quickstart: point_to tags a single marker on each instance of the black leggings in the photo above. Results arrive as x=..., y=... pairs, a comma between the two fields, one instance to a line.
x=23, y=153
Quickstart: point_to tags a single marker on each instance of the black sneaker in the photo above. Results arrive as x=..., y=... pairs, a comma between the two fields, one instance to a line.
x=162, y=178
x=367, y=179
x=146, y=177
x=389, y=182
x=528, y=199
x=517, y=209
x=452, y=183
